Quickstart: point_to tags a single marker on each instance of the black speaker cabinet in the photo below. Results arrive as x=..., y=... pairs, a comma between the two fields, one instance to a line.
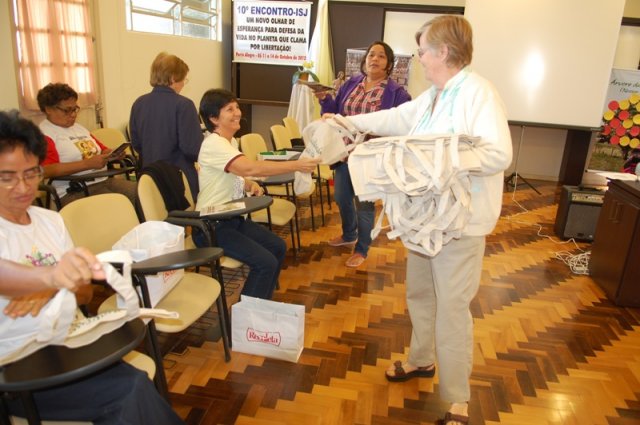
x=578, y=212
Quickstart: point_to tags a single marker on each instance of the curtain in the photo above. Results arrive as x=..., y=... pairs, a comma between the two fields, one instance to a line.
x=303, y=106
x=320, y=51
x=54, y=45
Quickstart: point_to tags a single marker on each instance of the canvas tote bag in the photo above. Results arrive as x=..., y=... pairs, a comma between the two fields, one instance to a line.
x=423, y=183
x=331, y=140
x=59, y=324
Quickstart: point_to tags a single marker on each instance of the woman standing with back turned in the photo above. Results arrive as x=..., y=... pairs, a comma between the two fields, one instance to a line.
x=370, y=91
x=164, y=125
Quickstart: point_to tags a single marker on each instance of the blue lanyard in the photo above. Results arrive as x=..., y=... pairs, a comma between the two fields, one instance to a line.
x=447, y=98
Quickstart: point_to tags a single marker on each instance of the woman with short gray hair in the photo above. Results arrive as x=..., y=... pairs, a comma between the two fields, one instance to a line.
x=440, y=287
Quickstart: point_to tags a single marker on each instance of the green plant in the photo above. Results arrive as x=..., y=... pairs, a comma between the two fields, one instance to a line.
x=305, y=69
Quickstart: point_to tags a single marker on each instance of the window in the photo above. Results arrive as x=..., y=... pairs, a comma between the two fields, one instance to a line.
x=53, y=44
x=189, y=18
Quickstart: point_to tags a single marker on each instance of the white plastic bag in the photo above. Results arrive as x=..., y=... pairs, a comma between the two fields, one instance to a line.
x=303, y=182
x=151, y=239
x=267, y=328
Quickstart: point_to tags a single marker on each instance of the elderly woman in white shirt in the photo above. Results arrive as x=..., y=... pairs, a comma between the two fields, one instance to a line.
x=440, y=288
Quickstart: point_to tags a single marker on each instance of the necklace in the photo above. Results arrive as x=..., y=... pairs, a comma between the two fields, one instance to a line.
x=369, y=84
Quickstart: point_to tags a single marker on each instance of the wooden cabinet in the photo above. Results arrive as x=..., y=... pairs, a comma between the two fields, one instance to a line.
x=615, y=254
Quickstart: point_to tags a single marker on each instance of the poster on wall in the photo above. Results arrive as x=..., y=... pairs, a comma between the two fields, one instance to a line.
x=271, y=32
x=618, y=139
x=400, y=72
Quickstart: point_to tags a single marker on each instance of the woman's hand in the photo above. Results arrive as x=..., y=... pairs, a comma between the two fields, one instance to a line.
x=117, y=157
x=32, y=303
x=327, y=116
x=307, y=165
x=253, y=188
x=76, y=267
x=320, y=95
x=97, y=161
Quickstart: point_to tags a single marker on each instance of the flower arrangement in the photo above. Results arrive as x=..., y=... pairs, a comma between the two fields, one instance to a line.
x=304, y=72
x=621, y=123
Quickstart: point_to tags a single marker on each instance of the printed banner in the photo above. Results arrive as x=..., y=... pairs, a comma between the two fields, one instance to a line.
x=271, y=32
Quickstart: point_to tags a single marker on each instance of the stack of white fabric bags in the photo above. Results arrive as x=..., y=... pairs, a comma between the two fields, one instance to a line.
x=422, y=180
x=423, y=183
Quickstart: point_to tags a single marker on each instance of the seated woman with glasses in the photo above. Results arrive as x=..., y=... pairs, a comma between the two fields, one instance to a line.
x=224, y=176
x=71, y=149
x=36, y=237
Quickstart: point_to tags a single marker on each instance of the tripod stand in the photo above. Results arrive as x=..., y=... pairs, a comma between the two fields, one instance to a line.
x=512, y=179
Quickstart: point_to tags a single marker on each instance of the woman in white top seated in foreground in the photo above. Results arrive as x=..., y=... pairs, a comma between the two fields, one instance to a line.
x=36, y=237
x=223, y=178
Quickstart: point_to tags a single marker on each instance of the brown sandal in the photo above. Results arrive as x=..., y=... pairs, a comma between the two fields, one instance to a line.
x=400, y=375
x=452, y=417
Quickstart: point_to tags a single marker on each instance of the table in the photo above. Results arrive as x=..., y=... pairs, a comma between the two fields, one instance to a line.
x=84, y=178
x=173, y=261
x=285, y=180
x=278, y=179
x=251, y=203
x=616, y=247
x=56, y=364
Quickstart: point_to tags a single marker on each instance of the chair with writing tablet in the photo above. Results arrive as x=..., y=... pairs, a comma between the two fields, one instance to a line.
x=282, y=211
x=98, y=222
x=113, y=138
x=294, y=131
x=282, y=140
x=153, y=207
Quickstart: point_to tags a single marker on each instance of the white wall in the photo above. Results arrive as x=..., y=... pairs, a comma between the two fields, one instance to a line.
x=540, y=154
x=126, y=56
x=8, y=87
x=632, y=9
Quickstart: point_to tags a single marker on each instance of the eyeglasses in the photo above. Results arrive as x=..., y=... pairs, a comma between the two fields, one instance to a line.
x=10, y=179
x=68, y=111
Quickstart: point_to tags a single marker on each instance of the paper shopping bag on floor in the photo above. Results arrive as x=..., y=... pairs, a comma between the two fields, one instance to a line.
x=267, y=328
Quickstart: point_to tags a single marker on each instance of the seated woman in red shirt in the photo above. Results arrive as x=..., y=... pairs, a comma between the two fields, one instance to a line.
x=71, y=149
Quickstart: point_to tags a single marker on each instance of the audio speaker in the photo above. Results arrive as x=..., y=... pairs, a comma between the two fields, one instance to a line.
x=578, y=212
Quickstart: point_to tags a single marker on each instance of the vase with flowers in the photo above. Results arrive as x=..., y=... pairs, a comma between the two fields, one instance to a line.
x=304, y=73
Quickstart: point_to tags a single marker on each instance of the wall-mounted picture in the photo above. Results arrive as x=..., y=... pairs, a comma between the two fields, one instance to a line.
x=618, y=139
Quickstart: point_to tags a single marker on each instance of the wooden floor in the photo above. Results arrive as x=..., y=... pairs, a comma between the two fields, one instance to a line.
x=549, y=347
